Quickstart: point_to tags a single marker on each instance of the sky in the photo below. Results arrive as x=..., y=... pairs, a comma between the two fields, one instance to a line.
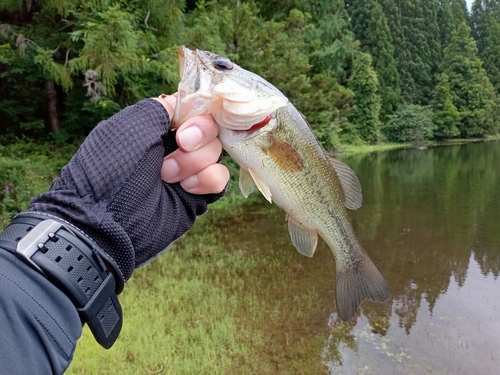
x=469, y=4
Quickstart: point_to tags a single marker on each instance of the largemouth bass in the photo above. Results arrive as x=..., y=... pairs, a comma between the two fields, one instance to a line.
x=279, y=154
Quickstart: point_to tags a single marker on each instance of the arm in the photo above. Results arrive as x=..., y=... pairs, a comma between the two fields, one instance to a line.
x=112, y=199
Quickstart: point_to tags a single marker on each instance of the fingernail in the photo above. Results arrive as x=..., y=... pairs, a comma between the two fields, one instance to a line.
x=190, y=182
x=169, y=170
x=190, y=138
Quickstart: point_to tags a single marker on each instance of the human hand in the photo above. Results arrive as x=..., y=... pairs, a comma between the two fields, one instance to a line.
x=194, y=163
x=112, y=189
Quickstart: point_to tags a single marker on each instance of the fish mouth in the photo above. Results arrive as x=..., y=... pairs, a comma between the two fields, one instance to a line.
x=192, y=71
x=181, y=57
x=187, y=60
x=239, y=99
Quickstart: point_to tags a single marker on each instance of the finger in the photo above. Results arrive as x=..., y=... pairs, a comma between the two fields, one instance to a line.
x=179, y=165
x=211, y=180
x=167, y=101
x=196, y=132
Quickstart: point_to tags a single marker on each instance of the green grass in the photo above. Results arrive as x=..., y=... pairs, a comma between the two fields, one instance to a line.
x=354, y=149
x=199, y=309
x=26, y=170
x=350, y=149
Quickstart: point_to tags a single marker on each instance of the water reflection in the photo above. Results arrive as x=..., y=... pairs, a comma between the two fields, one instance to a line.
x=459, y=336
x=430, y=223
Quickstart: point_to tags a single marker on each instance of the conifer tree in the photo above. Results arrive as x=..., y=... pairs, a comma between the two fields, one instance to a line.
x=444, y=113
x=333, y=49
x=471, y=90
x=432, y=34
x=486, y=24
x=421, y=33
x=370, y=28
x=335, y=44
x=365, y=116
x=401, y=52
x=459, y=11
x=447, y=24
x=108, y=50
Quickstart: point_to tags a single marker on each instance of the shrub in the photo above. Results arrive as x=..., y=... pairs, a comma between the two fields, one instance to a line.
x=411, y=123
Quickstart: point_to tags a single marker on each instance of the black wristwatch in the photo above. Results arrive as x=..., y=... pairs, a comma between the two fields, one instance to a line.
x=73, y=263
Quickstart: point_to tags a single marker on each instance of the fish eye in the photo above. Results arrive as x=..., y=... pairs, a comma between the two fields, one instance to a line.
x=223, y=63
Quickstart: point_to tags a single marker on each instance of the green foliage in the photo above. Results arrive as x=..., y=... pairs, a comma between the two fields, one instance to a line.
x=26, y=170
x=445, y=115
x=411, y=123
x=365, y=116
x=51, y=69
x=486, y=31
x=371, y=28
x=472, y=92
x=107, y=50
x=333, y=44
x=106, y=54
x=421, y=34
x=401, y=52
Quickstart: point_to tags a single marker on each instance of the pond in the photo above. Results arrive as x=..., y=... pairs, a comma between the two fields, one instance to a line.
x=430, y=222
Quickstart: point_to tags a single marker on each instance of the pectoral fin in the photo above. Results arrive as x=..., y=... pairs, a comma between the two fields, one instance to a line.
x=284, y=155
x=304, y=239
x=353, y=196
x=246, y=183
x=264, y=189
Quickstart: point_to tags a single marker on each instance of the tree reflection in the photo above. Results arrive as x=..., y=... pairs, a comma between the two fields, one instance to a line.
x=424, y=213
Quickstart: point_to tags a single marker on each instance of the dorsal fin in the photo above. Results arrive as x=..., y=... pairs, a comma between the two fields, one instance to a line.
x=353, y=196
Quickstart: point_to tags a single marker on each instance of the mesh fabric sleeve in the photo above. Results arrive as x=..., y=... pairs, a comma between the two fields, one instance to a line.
x=112, y=189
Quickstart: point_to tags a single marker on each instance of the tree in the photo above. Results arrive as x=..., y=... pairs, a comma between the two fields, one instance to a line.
x=365, y=117
x=412, y=123
x=401, y=52
x=459, y=11
x=486, y=31
x=446, y=22
x=370, y=28
x=335, y=52
x=471, y=90
x=37, y=53
x=332, y=40
x=445, y=115
x=416, y=36
x=109, y=50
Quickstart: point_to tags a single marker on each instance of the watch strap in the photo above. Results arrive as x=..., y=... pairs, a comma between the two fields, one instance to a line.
x=71, y=261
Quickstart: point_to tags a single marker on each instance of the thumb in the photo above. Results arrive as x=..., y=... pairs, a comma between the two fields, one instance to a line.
x=168, y=102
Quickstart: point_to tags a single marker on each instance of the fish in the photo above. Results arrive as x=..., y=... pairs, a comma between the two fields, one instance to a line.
x=279, y=155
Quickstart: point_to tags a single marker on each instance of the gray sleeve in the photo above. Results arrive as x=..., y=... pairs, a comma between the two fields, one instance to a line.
x=39, y=325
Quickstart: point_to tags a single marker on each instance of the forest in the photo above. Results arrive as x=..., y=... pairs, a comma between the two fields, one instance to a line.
x=362, y=71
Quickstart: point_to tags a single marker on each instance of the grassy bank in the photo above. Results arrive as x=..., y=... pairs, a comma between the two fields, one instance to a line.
x=205, y=308
x=26, y=170
x=351, y=149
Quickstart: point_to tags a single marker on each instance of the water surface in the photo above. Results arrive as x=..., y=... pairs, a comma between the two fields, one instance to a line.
x=430, y=222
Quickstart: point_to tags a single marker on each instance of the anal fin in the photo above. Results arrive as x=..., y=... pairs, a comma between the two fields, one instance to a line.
x=304, y=239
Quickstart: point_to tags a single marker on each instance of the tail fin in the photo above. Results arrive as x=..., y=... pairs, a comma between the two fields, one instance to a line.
x=357, y=283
